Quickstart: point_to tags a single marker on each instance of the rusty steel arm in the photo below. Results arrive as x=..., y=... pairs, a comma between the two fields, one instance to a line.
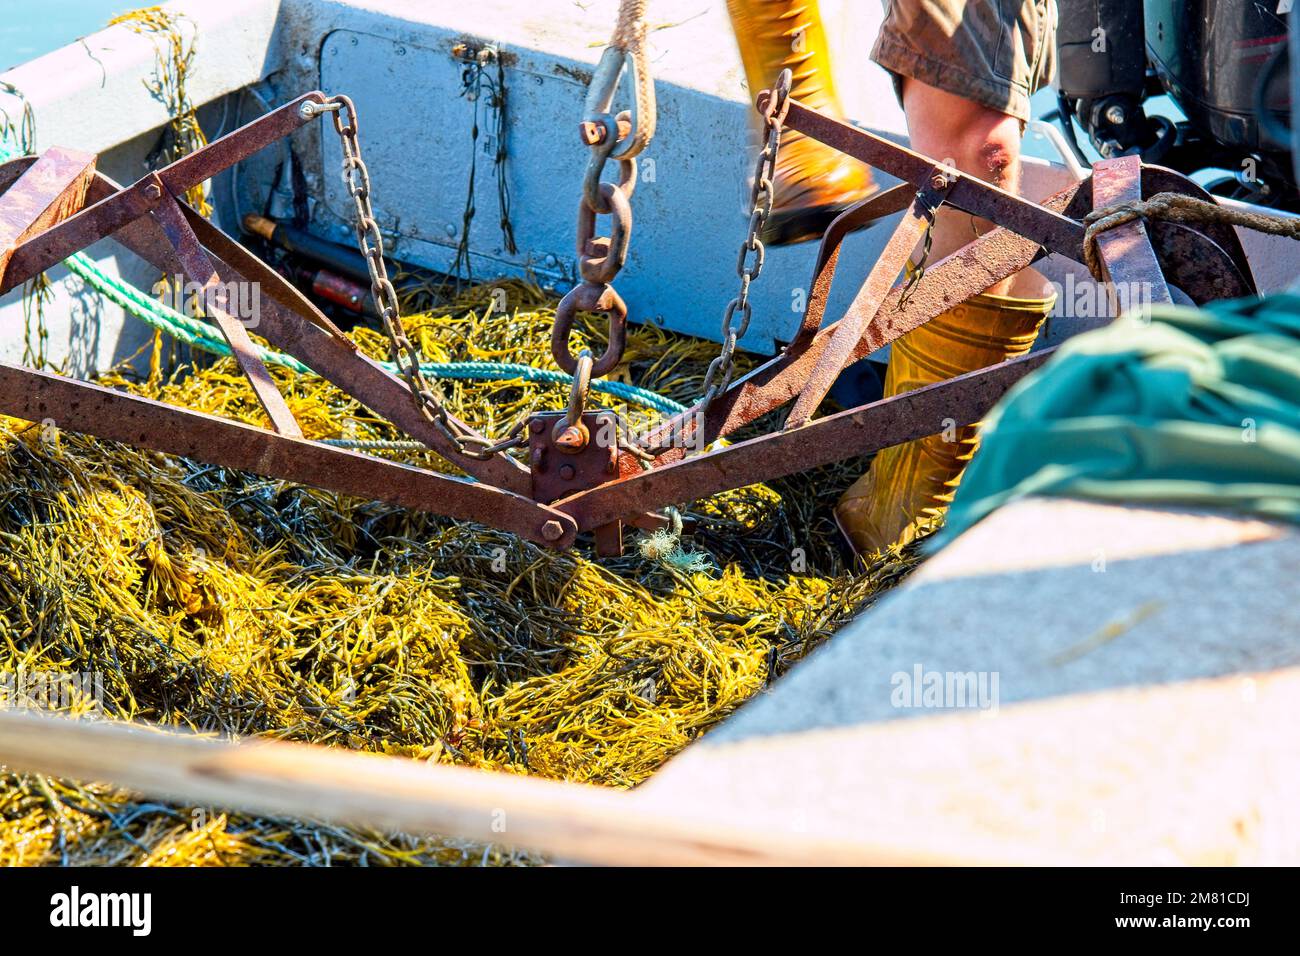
x=892, y=421
x=288, y=319
x=1206, y=265
x=971, y=194
x=106, y=413
x=892, y=200
x=54, y=186
x=996, y=255
x=848, y=330
x=169, y=240
x=253, y=269
x=304, y=332
x=196, y=265
x=113, y=212
x=333, y=356
x=1126, y=253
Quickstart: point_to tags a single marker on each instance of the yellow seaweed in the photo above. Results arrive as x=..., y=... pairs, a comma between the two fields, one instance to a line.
x=240, y=605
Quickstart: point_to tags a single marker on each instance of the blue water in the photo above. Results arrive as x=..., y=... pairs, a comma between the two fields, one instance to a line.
x=30, y=29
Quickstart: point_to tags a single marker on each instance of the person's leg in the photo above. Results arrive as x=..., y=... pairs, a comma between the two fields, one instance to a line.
x=975, y=138
x=960, y=110
x=814, y=183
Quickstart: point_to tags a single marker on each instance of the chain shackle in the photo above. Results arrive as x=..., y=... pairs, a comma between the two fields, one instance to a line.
x=599, y=159
x=605, y=79
x=590, y=297
x=579, y=388
x=570, y=433
x=601, y=259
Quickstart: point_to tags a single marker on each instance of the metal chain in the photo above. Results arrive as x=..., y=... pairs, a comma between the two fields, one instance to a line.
x=618, y=138
x=916, y=270
x=403, y=354
x=720, y=370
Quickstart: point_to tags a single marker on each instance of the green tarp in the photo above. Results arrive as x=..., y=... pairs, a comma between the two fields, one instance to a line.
x=1181, y=406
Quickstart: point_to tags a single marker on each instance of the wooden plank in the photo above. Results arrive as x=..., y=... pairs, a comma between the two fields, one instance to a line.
x=52, y=189
x=276, y=778
x=1202, y=772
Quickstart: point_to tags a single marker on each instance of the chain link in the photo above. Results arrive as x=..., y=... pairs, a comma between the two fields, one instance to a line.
x=916, y=270
x=403, y=354
x=600, y=258
x=720, y=370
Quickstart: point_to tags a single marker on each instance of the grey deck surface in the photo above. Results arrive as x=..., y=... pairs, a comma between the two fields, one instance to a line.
x=1023, y=595
x=1145, y=713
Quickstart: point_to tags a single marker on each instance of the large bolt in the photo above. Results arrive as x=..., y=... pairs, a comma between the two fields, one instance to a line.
x=1115, y=115
x=567, y=472
x=570, y=439
x=593, y=133
x=941, y=180
x=153, y=191
x=552, y=530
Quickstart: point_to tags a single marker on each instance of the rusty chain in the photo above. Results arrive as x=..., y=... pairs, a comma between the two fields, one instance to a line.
x=402, y=352
x=717, y=377
x=617, y=138
x=720, y=370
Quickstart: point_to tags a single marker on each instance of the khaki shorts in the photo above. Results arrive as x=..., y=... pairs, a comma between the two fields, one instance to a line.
x=994, y=52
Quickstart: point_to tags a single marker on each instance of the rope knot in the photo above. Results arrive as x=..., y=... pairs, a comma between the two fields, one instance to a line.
x=1176, y=207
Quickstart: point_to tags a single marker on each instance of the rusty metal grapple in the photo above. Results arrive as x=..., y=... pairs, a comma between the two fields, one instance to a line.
x=580, y=473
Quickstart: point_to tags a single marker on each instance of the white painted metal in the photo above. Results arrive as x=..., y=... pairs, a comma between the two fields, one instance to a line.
x=689, y=206
x=91, y=95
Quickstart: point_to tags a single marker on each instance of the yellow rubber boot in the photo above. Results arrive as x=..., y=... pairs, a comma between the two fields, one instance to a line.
x=814, y=183
x=909, y=487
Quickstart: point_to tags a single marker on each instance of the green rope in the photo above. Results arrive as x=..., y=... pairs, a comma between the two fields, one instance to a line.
x=203, y=336
x=508, y=371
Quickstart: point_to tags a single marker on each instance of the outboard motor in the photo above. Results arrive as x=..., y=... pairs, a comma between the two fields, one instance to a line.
x=1216, y=59
x=1224, y=63
x=1102, y=78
